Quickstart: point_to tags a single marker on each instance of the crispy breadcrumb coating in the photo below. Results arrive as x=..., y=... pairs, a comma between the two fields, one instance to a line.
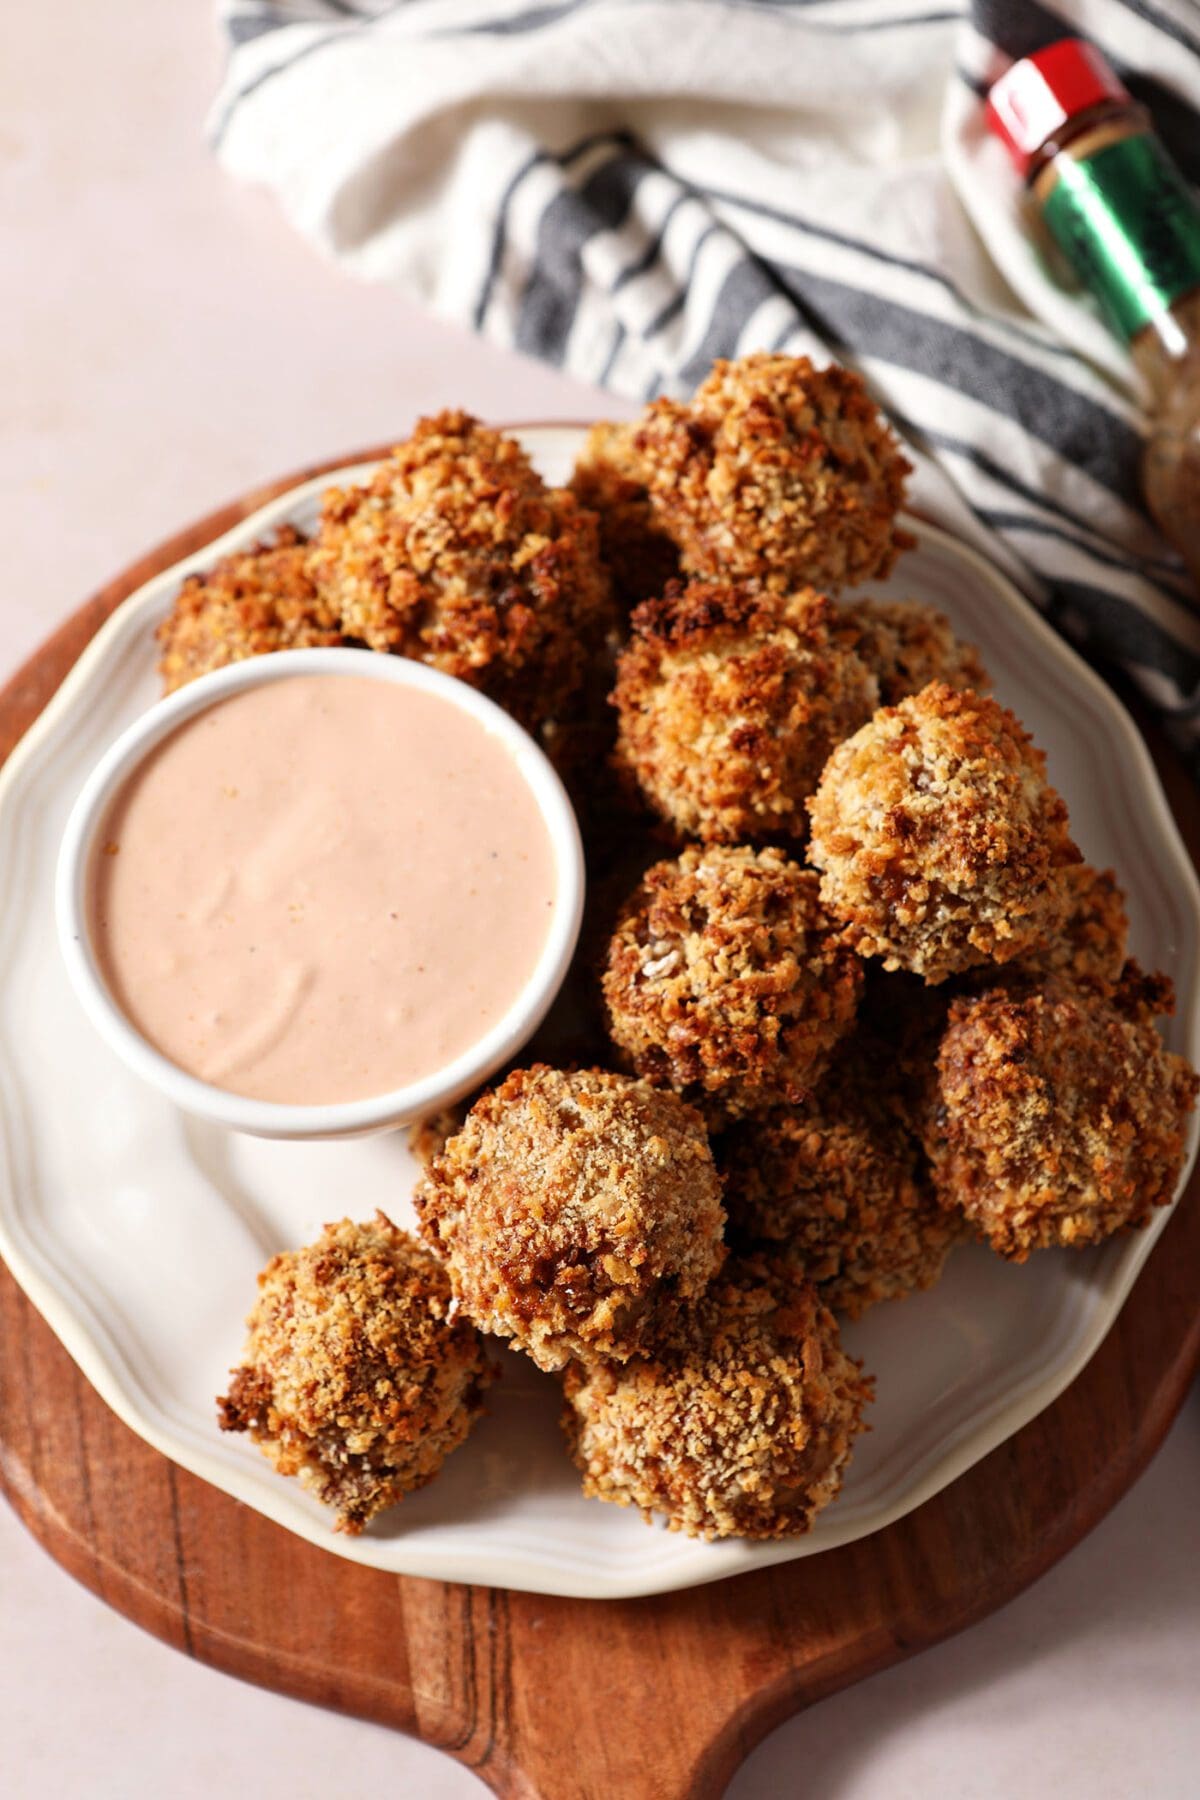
x=906, y=645
x=354, y=1376
x=247, y=604
x=458, y=554
x=839, y=1182
x=775, y=472
x=576, y=1213
x=640, y=557
x=427, y=1138
x=740, y=1424
x=725, y=982
x=940, y=842
x=1058, y=1117
x=1089, y=944
x=1086, y=947
x=729, y=701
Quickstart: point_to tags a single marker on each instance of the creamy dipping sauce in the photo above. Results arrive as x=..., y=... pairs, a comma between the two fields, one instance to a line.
x=321, y=889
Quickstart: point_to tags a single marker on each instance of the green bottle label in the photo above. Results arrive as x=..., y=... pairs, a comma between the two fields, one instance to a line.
x=1129, y=225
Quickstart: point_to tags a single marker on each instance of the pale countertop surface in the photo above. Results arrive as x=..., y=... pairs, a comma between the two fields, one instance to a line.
x=168, y=344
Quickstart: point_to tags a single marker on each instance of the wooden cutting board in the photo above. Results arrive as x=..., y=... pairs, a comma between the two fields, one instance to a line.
x=651, y=1699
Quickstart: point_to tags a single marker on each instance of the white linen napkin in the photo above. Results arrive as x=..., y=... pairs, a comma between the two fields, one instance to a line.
x=630, y=188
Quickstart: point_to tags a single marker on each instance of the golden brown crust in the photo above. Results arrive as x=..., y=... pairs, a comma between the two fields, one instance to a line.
x=427, y=1138
x=1089, y=945
x=906, y=645
x=724, y=980
x=775, y=472
x=839, y=1183
x=640, y=557
x=248, y=604
x=729, y=701
x=1086, y=948
x=1057, y=1117
x=940, y=842
x=577, y=1214
x=740, y=1425
x=354, y=1376
x=458, y=554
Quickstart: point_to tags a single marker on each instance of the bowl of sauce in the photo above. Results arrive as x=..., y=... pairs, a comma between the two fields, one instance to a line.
x=320, y=893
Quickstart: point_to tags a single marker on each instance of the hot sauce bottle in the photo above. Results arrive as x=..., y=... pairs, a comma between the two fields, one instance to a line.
x=1129, y=225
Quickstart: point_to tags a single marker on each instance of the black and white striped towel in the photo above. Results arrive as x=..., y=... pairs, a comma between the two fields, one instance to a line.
x=629, y=188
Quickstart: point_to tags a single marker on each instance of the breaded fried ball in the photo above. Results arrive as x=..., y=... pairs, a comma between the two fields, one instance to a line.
x=1089, y=944
x=577, y=1214
x=1058, y=1116
x=906, y=645
x=725, y=982
x=729, y=702
x=940, y=842
x=456, y=553
x=1087, y=947
x=248, y=604
x=776, y=472
x=428, y=1137
x=354, y=1376
x=837, y=1182
x=607, y=480
x=740, y=1424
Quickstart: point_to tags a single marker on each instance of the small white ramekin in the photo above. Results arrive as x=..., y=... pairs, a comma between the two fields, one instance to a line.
x=352, y=1118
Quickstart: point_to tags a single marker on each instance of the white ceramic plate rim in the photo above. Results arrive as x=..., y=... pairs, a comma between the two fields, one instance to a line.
x=85, y=1337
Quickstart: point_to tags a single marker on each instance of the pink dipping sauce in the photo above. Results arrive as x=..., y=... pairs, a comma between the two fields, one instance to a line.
x=321, y=889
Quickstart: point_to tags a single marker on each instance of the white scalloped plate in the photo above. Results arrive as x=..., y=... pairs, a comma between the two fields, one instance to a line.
x=138, y=1232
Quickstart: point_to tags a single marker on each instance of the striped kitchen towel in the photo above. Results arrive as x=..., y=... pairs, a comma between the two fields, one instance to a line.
x=630, y=188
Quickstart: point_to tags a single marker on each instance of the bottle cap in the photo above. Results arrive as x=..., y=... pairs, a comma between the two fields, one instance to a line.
x=1042, y=92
